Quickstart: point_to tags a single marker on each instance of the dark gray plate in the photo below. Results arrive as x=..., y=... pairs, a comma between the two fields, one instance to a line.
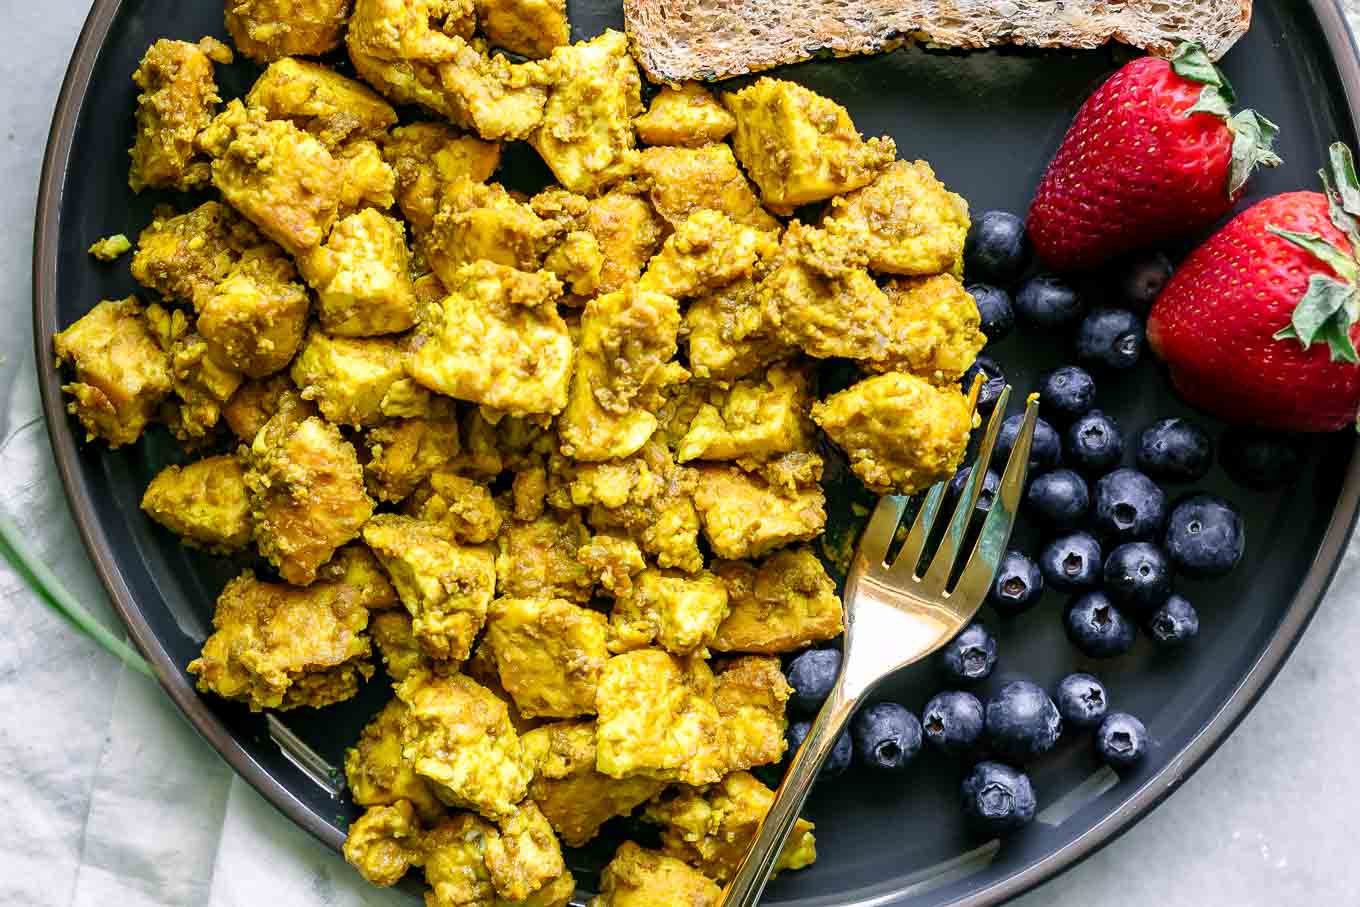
x=988, y=121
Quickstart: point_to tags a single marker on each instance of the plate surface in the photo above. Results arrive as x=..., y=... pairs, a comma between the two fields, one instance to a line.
x=988, y=122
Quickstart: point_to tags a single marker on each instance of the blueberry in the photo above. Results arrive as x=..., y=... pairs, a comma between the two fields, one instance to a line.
x=812, y=676
x=1174, y=624
x=953, y=721
x=1129, y=506
x=1205, y=536
x=1047, y=301
x=1141, y=280
x=1096, y=628
x=1071, y=562
x=1094, y=443
x=993, y=382
x=1110, y=338
x=997, y=248
x=1121, y=740
x=1174, y=450
x=994, y=310
x=1081, y=700
x=1066, y=393
x=887, y=736
x=1138, y=577
x=1022, y=722
x=1018, y=584
x=991, y=484
x=970, y=656
x=1045, y=451
x=1059, y=498
x=1260, y=460
x=842, y=754
x=997, y=798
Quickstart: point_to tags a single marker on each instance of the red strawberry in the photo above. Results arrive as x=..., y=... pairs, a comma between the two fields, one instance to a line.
x=1154, y=154
x=1259, y=324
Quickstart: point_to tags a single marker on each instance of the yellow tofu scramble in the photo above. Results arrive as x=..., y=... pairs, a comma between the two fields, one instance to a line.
x=549, y=464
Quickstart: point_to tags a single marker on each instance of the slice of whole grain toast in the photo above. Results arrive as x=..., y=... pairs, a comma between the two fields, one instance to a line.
x=676, y=40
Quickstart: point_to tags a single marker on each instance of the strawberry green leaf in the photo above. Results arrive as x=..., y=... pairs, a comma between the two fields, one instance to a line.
x=1338, y=341
x=1325, y=314
x=1191, y=62
x=1319, y=248
x=1253, y=141
x=1337, y=213
x=1211, y=101
x=1347, y=184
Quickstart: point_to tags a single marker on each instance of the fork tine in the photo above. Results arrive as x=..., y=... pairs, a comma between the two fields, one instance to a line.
x=991, y=544
x=942, y=564
x=882, y=526
x=910, y=556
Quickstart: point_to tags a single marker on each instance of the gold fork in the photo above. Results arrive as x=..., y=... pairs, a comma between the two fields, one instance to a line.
x=895, y=616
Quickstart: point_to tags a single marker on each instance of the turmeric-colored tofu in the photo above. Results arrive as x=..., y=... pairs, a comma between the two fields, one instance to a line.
x=575, y=797
x=657, y=719
x=366, y=180
x=524, y=856
x=394, y=637
x=628, y=343
x=786, y=603
x=405, y=452
x=318, y=99
x=185, y=256
x=427, y=157
x=686, y=115
x=281, y=178
x=586, y=137
x=530, y=28
x=205, y=503
x=684, y=181
x=266, y=30
x=384, y=843
x=637, y=877
x=277, y=646
x=483, y=222
x=578, y=262
x=939, y=329
x=377, y=772
x=756, y=419
x=460, y=738
x=178, y=99
x=745, y=516
x=496, y=340
x=710, y=828
x=729, y=336
x=307, y=492
x=446, y=587
x=357, y=567
x=549, y=654
x=518, y=863
x=348, y=377
x=538, y=558
x=750, y=697
x=628, y=233
x=362, y=277
x=906, y=220
x=612, y=561
x=674, y=610
x=901, y=433
x=709, y=250
x=460, y=505
x=254, y=319
x=202, y=382
x=122, y=373
x=254, y=403
x=800, y=147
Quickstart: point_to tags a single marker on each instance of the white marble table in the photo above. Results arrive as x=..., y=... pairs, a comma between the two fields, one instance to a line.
x=110, y=798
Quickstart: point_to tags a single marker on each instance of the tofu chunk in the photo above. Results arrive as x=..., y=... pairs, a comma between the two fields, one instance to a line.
x=901, y=433
x=201, y=381
x=460, y=738
x=348, y=377
x=549, y=654
x=756, y=419
x=676, y=611
x=366, y=180
x=657, y=719
x=446, y=587
x=800, y=147
x=612, y=561
x=266, y=30
x=687, y=115
x=405, y=452
x=745, y=516
x=384, y=843
x=687, y=180
x=426, y=158
x=538, y=558
x=646, y=878
x=750, y=697
x=729, y=336
x=121, y=372
x=178, y=99
x=586, y=137
x=784, y=604
x=940, y=330
x=476, y=222
x=906, y=220
x=709, y=250
x=377, y=772
x=471, y=863
x=462, y=506
x=394, y=637
x=710, y=828
x=362, y=277
x=575, y=797
x=357, y=567
x=628, y=233
x=205, y=503
x=307, y=493
x=277, y=646
x=319, y=100
x=254, y=403
x=530, y=28
x=254, y=319
x=185, y=256
x=524, y=856
x=498, y=341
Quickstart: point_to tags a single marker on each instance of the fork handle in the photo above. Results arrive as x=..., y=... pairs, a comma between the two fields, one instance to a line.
x=754, y=870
